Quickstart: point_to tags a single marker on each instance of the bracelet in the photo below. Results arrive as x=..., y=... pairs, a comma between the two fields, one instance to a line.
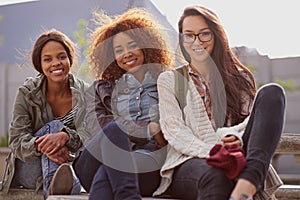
x=242, y=197
x=246, y=197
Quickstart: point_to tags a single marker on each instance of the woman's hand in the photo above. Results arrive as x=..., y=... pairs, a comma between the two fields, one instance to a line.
x=230, y=140
x=60, y=156
x=51, y=143
x=155, y=131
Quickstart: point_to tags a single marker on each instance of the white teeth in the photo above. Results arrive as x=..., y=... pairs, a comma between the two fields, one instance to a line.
x=199, y=50
x=130, y=62
x=57, y=71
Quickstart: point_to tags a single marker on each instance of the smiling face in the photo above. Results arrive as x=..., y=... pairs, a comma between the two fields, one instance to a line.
x=55, y=62
x=198, y=51
x=127, y=53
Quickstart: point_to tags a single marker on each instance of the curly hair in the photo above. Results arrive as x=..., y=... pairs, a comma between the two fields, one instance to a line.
x=236, y=77
x=141, y=27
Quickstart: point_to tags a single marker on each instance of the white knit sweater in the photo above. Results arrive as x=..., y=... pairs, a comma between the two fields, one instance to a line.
x=188, y=137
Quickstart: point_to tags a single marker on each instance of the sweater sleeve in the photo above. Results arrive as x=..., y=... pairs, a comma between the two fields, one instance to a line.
x=180, y=136
x=237, y=130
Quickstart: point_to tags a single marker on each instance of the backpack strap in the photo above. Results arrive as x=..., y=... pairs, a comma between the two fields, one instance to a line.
x=181, y=85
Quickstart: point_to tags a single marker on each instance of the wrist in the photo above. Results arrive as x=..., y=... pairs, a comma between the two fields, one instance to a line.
x=66, y=136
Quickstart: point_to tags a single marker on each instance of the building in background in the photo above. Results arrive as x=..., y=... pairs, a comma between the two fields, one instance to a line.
x=22, y=23
x=285, y=71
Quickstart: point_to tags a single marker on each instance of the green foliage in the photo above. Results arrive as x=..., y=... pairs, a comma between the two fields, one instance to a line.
x=252, y=68
x=4, y=140
x=288, y=85
x=80, y=36
x=259, y=84
x=84, y=69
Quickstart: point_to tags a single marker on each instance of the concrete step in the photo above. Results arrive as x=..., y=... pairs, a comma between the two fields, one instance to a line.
x=285, y=192
x=85, y=197
x=289, y=144
x=22, y=194
x=26, y=194
x=288, y=192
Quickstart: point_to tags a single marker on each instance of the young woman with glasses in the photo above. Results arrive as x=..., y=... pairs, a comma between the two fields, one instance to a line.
x=222, y=107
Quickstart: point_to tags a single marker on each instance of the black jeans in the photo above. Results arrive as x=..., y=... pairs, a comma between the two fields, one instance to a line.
x=108, y=168
x=195, y=179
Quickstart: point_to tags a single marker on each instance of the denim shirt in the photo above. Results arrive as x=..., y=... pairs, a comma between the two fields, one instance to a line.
x=137, y=101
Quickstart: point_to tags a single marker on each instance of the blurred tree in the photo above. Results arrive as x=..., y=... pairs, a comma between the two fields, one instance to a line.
x=4, y=140
x=80, y=35
x=252, y=68
x=288, y=85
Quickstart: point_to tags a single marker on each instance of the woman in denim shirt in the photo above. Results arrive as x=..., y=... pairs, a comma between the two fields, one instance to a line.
x=123, y=159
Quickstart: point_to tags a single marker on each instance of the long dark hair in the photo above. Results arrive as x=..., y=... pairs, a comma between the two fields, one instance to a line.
x=237, y=79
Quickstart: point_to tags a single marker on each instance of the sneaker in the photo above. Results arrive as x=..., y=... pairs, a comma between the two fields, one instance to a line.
x=62, y=181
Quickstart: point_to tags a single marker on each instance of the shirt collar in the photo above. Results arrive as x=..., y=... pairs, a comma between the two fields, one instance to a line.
x=133, y=83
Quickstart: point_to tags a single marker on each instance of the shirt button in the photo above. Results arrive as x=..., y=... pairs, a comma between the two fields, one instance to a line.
x=139, y=113
x=137, y=98
x=140, y=88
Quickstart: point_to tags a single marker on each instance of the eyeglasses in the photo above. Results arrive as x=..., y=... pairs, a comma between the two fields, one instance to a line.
x=203, y=37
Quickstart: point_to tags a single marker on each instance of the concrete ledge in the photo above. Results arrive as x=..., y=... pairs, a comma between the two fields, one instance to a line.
x=285, y=192
x=289, y=144
x=22, y=194
x=85, y=197
x=288, y=192
x=27, y=194
x=4, y=151
x=68, y=197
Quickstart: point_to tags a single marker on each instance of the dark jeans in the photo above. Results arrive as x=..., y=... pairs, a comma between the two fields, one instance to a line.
x=108, y=168
x=194, y=179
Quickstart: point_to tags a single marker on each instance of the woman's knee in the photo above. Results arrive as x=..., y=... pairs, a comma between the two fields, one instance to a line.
x=115, y=134
x=271, y=96
x=201, y=180
x=85, y=167
x=274, y=92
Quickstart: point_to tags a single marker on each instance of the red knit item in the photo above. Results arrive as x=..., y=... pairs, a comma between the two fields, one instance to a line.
x=230, y=159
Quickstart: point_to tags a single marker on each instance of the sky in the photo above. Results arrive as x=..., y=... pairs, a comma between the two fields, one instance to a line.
x=8, y=2
x=269, y=26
